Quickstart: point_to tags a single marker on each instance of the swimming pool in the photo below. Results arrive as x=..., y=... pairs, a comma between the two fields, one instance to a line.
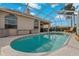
x=39, y=43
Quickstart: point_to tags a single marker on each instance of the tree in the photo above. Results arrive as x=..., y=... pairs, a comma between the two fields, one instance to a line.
x=69, y=7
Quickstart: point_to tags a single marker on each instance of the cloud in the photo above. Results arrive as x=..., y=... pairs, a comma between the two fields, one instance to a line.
x=59, y=16
x=34, y=5
x=76, y=13
x=32, y=13
x=19, y=8
x=76, y=5
x=54, y=5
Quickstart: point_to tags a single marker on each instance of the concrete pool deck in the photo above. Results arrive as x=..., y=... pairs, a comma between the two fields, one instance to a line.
x=70, y=49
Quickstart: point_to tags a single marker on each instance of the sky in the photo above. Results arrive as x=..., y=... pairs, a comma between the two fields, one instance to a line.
x=42, y=10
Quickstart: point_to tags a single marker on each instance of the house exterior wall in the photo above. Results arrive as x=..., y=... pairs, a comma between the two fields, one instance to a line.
x=24, y=23
x=3, y=32
x=2, y=20
x=35, y=31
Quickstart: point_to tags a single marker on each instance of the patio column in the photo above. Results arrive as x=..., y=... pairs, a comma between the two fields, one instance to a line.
x=71, y=22
x=38, y=26
x=48, y=27
x=74, y=20
x=77, y=23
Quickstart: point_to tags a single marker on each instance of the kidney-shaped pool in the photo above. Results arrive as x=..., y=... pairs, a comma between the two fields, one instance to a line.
x=39, y=43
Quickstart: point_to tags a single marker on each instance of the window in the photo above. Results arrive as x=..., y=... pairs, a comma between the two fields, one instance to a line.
x=10, y=21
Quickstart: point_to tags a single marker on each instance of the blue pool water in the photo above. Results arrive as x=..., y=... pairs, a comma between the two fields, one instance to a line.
x=39, y=43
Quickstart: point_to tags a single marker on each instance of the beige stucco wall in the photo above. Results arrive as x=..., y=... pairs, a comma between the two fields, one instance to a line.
x=12, y=32
x=3, y=33
x=2, y=20
x=24, y=23
x=35, y=31
x=23, y=32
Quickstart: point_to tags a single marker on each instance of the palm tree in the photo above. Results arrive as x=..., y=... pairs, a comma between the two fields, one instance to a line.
x=69, y=7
